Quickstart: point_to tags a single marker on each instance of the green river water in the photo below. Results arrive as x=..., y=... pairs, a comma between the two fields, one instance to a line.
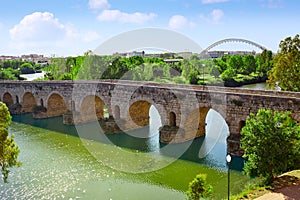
x=60, y=165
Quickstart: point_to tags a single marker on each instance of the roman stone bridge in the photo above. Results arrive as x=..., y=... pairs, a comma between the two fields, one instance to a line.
x=124, y=105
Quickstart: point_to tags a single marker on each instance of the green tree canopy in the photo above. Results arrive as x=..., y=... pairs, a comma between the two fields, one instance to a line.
x=264, y=62
x=236, y=62
x=271, y=144
x=27, y=68
x=9, y=74
x=286, y=70
x=9, y=150
x=221, y=63
x=249, y=64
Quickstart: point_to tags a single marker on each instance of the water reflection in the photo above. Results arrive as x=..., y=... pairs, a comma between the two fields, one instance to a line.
x=58, y=166
x=209, y=150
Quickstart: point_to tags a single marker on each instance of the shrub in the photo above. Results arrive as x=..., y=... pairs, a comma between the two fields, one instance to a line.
x=271, y=141
x=198, y=188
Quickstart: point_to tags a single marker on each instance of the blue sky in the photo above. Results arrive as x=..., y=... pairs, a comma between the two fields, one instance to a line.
x=71, y=27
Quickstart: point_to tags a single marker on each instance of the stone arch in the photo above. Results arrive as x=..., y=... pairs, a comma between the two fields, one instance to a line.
x=92, y=108
x=139, y=112
x=28, y=102
x=172, y=119
x=56, y=105
x=17, y=99
x=8, y=99
x=162, y=111
x=195, y=122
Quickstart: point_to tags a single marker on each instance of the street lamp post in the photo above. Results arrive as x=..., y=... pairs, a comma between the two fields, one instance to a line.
x=228, y=159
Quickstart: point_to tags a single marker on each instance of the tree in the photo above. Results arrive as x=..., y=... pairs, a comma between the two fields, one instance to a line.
x=27, y=68
x=265, y=62
x=236, y=62
x=135, y=60
x=186, y=67
x=249, y=64
x=286, y=70
x=198, y=188
x=214, y=71
x=116, y=69
x=57, y=67
x=271, y=144
x=228, y=74
x=9, y=74
x=222, y=63
x=9, y=150
x=193, y=78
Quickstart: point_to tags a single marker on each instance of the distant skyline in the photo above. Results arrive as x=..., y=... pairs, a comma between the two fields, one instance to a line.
x=72, y=27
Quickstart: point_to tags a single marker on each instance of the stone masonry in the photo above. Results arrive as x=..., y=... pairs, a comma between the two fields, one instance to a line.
x=183, y=108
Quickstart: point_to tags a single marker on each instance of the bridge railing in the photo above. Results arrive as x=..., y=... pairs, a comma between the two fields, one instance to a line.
x=186, y=87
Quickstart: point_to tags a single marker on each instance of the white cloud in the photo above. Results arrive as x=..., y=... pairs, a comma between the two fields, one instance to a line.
x=98, y=4
x=43, y=31
x=37, y=26
x=118, y=16
x=214, y=17
x=213, y=1
x=179, y=21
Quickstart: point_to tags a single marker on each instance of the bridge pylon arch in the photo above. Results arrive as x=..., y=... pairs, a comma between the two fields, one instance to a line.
x=228, y=40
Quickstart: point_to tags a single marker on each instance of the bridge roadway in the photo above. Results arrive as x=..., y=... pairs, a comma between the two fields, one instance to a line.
x=183, y=108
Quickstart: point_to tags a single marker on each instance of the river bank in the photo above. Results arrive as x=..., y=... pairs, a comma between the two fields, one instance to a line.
x=285, y=186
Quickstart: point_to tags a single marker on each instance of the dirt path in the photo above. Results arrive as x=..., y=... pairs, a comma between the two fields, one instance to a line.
x=291, y=190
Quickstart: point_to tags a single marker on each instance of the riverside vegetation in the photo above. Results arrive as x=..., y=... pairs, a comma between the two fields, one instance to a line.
x=12, y=69
x=231, y=70
x=9, y=151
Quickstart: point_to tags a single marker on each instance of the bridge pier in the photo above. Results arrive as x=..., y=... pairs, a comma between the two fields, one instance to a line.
x=192, y=125
x=234, y=144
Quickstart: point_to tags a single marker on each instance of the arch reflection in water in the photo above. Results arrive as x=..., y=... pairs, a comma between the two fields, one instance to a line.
x=210, y=150
x=154, y=125
x=214, y=145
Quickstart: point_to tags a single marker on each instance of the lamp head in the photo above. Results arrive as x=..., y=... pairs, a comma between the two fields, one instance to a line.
x=228, y=158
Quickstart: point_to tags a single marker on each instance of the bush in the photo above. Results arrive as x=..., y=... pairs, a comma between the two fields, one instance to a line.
x=198, y=188
x=66, y=76
x=27, y=68
x=193, y=78
x=271, y=141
